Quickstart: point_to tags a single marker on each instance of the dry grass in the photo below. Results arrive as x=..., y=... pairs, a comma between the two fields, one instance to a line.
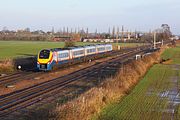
x=6, y=65
x=167, y=62
x=91, y=102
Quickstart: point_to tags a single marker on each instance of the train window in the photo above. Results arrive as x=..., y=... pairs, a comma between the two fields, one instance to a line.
x=63, y=55
x=101, y=49
x=78, y=52
x=44, y=54
x=108, y=48
x=91, y=50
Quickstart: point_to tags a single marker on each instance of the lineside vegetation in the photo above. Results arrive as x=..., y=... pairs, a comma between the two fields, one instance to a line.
x=91, y=102
x=6, y=66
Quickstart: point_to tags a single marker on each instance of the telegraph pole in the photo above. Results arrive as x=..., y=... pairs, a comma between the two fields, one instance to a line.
x=96, y=32
x=117, y=35
x=75, y=31
x=64, y=31
x=113, y=32
x=154, y=40
x=67, y=31
x=87, y=32
x=52, y=30
x=109, y=31
x=128, y=34
x=122, y=36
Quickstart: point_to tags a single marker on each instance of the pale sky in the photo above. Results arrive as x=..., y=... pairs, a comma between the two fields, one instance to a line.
x=141, y=15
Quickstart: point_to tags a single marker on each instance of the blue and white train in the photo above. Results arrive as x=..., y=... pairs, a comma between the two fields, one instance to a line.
x=49, y=58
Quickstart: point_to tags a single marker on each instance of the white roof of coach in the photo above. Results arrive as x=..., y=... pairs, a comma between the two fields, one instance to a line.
x=76, y=49
x=89, y=47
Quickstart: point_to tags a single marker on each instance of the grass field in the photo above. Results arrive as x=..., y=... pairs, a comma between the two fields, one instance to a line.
x=172, y=53
x=156, y=97
x=11, y=49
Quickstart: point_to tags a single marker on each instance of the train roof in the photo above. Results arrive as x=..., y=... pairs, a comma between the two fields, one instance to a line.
x=75, y=47
x=57, y=49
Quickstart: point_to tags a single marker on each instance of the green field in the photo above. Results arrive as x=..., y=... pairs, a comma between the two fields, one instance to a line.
x=11, y=49
x=172, y=53
x=156, y=97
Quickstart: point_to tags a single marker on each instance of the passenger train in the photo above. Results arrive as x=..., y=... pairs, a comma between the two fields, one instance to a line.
x=49, y=58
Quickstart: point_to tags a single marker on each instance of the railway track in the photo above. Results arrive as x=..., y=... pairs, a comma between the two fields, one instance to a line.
x=28, y=96
x=19, y=76
x=16, y=77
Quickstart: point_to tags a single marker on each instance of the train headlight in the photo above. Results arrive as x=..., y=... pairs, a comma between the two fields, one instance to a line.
x=49, y=63
x=19, y=67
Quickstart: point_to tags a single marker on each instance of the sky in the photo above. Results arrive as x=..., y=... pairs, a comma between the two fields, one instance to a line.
x=140, y=15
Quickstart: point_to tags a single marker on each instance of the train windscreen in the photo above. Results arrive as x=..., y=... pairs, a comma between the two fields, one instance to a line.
x=44, y=54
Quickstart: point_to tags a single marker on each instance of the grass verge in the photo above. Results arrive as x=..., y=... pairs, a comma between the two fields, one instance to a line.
x=155, y=97
x=172, y=53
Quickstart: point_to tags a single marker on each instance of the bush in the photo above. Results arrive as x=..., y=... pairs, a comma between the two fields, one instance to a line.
x=6, y=65
x=69, y=44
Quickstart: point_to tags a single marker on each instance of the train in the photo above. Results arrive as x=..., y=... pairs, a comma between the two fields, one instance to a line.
x=47, y=59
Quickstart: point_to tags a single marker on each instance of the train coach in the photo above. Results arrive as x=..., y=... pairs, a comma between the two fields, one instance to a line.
x=49, y=58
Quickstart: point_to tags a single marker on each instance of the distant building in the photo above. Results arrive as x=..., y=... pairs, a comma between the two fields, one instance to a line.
x=62, y=39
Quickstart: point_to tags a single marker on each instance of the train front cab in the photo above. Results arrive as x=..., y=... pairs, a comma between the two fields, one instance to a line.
x=44, y=62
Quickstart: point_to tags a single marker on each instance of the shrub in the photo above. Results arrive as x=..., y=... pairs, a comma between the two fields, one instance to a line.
x=69, y=44
x=6, y=65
